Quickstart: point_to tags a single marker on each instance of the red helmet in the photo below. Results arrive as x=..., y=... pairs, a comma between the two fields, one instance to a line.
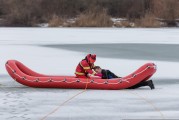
x=92, y=58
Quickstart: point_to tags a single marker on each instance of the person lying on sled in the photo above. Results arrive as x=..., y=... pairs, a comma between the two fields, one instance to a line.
x=107, y=74
x=85, y=68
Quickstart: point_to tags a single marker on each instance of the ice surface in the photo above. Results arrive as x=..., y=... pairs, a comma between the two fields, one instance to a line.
x=19, y=102
x=90, y=35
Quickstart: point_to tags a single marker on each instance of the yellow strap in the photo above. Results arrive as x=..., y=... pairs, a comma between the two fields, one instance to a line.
x=79, y=73
x=86, y=68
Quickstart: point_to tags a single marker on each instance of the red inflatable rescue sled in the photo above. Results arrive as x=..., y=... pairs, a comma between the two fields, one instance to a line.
x=26, y=76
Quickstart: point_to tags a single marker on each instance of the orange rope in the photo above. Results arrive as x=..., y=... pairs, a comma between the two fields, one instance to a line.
x=56, y=109
x=149, y=102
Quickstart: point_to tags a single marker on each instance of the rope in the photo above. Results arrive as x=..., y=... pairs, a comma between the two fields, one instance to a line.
x=150, y=103
x=66, y=101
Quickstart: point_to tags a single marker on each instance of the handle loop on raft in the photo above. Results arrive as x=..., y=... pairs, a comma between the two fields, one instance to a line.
x=23, y=77
x=37, y=80
x=14, y=71
x=50, y=80
x=134, y=75
x=106, y=82
x=92, y=81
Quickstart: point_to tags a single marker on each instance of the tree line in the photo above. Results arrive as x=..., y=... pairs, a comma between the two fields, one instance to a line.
x=29, y=12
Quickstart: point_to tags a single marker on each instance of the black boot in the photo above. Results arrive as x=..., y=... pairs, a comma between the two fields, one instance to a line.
x=150, y=84
x=143, y=83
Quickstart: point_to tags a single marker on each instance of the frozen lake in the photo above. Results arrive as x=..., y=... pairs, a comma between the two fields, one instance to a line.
x=162, y=52
x=35, y=49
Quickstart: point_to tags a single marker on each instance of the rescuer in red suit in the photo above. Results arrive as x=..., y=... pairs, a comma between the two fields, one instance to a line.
x=85, y=67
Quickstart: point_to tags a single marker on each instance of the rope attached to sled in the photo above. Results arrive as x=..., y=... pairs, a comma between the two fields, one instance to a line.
x=62, y=104
x=150, y=103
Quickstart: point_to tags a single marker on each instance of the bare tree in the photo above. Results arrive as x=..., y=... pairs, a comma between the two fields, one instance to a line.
x=166, y=9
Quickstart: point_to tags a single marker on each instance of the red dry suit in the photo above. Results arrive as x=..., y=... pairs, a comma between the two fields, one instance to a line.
x=86, y=66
